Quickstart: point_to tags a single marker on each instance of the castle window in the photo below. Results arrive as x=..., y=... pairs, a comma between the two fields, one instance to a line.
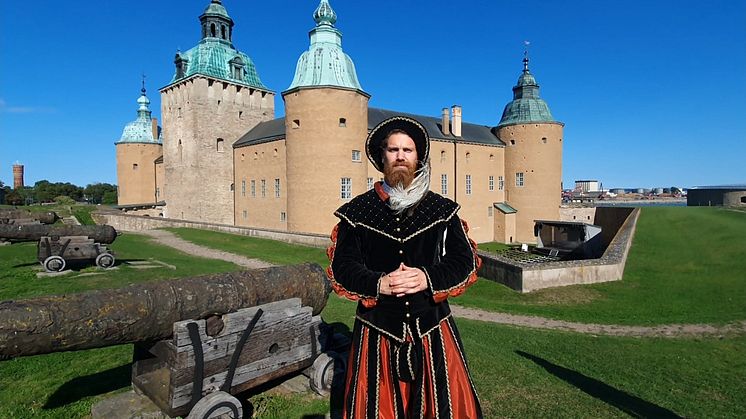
x=468, y=157
x=444, y=184
x=222, y=31
x=489, y=211
x=544, y=140
x=274, y=153
x=500, y=183
x=468, y=184
x=157, y=193
x=356, y=155
x=296, y=123
x=243, y=156
x=212, y=30
x=491, y=183
x=519, y=179
x=253, y=188
x=240, y=114
x=232, y=187
x=277, y=188
x=345, y=188
x=283, y=216
x=512, y=142
x=180, y=148
x=243, y=187
x=238, y=73
x=256, y=155
x=134, y=166
x=442, y=156
x=245, y=214
x=220, y=145
x=264, y=188
x=492, y=157
x=370, y=183
x=342, y=122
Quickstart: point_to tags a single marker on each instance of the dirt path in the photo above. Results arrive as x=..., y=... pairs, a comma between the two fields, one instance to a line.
x=668, y=330
x=172, y=240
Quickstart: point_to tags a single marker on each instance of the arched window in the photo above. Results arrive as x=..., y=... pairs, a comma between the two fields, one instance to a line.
x=222, y=31
x=220, y=144
x=212, y=30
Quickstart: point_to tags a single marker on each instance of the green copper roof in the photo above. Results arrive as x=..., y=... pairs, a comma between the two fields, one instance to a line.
x=215, y=56
x=526, y=106
x=325, y=64
x=141, y=129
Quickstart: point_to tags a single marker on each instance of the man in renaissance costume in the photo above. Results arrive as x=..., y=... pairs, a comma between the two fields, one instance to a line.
x=400, y=250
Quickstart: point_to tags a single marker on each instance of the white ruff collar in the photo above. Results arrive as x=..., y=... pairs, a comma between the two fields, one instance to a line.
x=401, y=199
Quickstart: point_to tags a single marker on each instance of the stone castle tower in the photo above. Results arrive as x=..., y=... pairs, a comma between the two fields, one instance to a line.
x=214, y=97
x=326, y=123
x=533, y=157
x=137, y=150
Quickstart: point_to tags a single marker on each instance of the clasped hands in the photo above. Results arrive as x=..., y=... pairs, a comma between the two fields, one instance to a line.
x=404, y=280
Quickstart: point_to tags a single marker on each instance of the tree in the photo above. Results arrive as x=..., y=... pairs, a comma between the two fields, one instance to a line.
x=97, y=193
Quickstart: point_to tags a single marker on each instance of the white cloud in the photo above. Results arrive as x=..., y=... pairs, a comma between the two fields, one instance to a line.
x=4, y=108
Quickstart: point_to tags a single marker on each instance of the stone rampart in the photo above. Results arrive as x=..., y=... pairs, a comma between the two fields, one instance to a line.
x=527, y=277
x=128, y=222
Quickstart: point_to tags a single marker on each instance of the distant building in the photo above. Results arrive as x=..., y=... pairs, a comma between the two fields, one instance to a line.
x=18, y=176
x=726, y=195
x=587, y=186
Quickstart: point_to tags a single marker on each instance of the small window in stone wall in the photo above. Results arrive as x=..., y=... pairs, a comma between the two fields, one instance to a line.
x=264, y=188
x=134, y=166
x=512, y=142
x=232, y=187
x=253, y=189
x=274, y=154
x=442, y=156
x=468, y=157
x=245, y=214
x=220, y=145
x=492, y=157
x=343, y=122
x=544, y=140
x=283, y=216
x=240, y=114
x=356, y=155
x=489, y=211
x=296, y=123
x=243, y=156
x=743, y=199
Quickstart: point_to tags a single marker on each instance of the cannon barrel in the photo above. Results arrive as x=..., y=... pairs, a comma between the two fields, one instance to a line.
x=104, y=234
x=48, y=217
x=146, y=312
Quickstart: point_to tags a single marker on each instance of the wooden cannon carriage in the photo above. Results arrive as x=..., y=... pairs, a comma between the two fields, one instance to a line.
x=59, y=245
x=198, y=341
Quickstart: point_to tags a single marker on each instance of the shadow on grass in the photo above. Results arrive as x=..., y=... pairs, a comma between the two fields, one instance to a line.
x=632, y=405
x=90, y=385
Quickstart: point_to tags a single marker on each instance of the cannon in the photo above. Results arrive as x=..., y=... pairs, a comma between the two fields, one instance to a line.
x=16, y=216
x=197, y=341
x=60, y=244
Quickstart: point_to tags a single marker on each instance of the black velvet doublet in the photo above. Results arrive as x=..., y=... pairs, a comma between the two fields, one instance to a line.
x=372, y=240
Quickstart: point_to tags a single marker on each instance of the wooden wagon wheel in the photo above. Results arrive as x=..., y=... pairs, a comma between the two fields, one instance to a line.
x=218, y=404
x=54, y=263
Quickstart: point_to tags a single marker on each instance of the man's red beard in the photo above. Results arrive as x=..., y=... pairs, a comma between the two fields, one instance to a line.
x=394, y=175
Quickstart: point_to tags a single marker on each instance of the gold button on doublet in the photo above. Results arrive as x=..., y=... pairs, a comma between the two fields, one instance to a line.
x=407, y=315
x=398, y=229
x=397, y=219
x=406, y=303
x=401, y=252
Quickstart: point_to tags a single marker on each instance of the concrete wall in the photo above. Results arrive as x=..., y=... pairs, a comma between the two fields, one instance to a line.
x=735, y=199
x=126, y=222
x=197, y=114
x=525, y=277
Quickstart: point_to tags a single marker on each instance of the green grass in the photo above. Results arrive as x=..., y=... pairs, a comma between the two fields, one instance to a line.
x=686, y=265
x=518, y=372
x=271, y=251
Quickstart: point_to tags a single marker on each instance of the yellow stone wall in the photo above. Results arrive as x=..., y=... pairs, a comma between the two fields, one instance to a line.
x=262, y=162
x=136, y=172
x=535, y=150
x=319, y=153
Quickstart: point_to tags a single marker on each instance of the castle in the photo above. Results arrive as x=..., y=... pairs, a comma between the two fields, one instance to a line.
x=223, y=157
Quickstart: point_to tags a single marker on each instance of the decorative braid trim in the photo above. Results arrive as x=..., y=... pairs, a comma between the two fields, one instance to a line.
x=378, y=373
x=356, y=378
x=366, y=300
x=471, y=278
x=402, y=240
x=379, y=330
x=427, y=332
x=432, y=373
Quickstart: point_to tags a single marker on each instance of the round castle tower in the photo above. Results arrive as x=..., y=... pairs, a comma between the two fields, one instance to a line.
x=326, y=123
x=533, y=157
x=137, y=151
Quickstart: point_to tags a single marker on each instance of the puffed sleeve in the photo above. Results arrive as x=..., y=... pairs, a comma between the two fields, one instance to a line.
x=457, y=268
x=347, y=272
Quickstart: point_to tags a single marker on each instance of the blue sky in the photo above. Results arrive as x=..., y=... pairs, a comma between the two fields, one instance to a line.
x=653, y=93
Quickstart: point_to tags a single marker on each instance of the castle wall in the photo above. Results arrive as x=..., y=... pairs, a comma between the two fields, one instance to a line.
x=319, y=153
x=136, y=172
x=259, y=169
x=534, y=151
x=202, y=118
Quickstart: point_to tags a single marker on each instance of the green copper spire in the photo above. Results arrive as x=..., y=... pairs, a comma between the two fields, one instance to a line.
x=325, y=63
x=141, y=129
x=526, y=106
x=215, y=56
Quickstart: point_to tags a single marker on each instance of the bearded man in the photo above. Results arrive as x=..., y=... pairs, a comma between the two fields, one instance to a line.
x=400, y=250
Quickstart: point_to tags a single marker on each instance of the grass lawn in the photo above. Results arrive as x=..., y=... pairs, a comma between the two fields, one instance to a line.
x=518, y=372
x=686, y=265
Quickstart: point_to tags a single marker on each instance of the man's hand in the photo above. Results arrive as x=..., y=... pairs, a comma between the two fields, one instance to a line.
x=403, y=281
